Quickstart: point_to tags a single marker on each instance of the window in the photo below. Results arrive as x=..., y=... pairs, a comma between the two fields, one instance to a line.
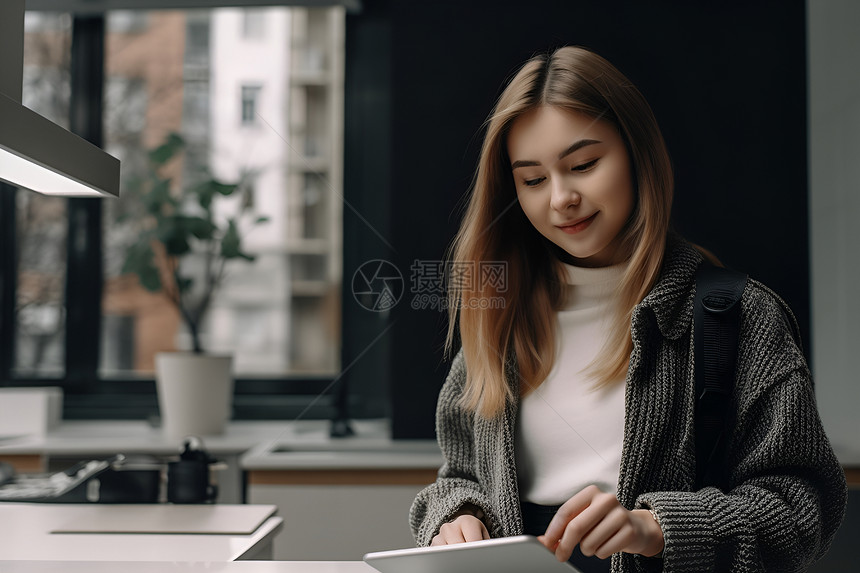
x=39, y=310
x=253, y=23
x=250, y=94
x=175, y=71
x=183, y=85
x=40, y=221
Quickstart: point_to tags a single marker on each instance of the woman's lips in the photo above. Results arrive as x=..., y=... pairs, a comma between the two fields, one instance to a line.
x=579, y=226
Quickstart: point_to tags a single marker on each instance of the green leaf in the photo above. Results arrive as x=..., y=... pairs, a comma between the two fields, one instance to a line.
x=205, y=194
x=174, y=234
x=207, y=190
x=261, y=220
x=201, y=228
x=138, y=254
x=150, y=278
x=231, y=243
x=165, y=152
x=225, y=189
x=140, y=260
x=158, y=197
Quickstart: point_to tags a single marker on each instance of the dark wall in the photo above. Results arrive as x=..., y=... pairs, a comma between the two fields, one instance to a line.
x=727, y=83
x=364, y=383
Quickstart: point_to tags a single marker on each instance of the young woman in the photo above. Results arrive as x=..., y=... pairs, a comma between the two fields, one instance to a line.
x=568, y=411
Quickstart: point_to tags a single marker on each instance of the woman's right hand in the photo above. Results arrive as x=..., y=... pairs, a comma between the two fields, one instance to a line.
x=464, y=528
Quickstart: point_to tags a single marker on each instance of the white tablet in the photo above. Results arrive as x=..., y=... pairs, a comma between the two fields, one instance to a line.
x=503, y=555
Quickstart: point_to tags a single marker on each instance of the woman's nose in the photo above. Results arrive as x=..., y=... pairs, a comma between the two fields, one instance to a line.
x=563, y=195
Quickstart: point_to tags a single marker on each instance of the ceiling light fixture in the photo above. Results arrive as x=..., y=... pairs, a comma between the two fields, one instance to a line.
x=36, y=153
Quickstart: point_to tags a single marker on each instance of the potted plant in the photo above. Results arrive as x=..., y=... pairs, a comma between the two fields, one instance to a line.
x=182, y=253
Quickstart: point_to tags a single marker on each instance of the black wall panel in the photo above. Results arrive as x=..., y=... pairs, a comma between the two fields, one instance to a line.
x=726, y=80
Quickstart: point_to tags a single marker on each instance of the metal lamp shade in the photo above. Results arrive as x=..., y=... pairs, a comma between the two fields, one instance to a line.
x=39, y=155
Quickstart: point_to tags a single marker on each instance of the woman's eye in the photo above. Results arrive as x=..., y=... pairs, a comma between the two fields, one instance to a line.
x=533, y=182
x=585, y=166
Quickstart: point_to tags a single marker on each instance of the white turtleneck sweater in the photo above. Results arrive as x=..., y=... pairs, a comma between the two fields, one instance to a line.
x=568, y=435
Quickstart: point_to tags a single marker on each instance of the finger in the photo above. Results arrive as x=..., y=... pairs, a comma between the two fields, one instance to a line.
x=454, y=535
x=577, y=529
x=603, y=531
x=569, y=510
x=473, y=529
x=602, y=505
x=546, y=544
x=451, y=533
x=622, y=538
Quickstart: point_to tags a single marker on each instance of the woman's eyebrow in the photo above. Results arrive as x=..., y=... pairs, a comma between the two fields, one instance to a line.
x=576, y=146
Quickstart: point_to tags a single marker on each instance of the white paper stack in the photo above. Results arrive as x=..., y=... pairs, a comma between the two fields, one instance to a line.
x=30, y=411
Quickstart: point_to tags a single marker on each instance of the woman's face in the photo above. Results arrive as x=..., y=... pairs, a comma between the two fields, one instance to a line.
x=573, y=180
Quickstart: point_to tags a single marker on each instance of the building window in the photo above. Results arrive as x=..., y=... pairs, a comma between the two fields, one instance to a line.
x=253, y=23
x=250, y=96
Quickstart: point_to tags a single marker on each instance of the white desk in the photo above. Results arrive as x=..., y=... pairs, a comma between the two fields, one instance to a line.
x=27, y=533
x=149, y=567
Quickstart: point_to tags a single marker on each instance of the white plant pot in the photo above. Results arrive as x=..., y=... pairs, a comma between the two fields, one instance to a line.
x=195, y=392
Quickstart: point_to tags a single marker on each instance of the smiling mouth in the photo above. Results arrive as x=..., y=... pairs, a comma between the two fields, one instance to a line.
x=578, y=226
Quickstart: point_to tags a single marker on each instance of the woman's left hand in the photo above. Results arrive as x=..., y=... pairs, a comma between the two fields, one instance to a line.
x=601, y=526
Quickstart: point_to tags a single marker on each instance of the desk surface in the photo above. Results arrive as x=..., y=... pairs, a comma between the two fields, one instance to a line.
x=267, y=445
x=162, y=518
x=26, y=533
x=155, y=567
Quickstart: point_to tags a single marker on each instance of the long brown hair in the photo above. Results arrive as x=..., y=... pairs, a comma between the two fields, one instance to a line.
x=496, y=230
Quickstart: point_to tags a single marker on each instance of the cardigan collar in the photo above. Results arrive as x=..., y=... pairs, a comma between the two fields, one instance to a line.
x=670, y=302
x=671, y=299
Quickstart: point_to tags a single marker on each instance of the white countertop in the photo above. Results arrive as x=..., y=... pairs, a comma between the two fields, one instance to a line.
x=266, y=445
x=27, y=532
x=107, y=437
x=161, y=567
x=310, y=448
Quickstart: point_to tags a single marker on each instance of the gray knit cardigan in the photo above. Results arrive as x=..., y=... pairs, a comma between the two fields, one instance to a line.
x=787, y=492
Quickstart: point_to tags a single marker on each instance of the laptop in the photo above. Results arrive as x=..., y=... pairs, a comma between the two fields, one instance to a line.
x=504, y=555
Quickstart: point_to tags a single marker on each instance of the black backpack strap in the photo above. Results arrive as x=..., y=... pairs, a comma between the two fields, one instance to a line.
x=716, y=324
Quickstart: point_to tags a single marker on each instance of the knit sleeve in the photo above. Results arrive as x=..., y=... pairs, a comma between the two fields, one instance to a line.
x=787, y=492
x=456, y=483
